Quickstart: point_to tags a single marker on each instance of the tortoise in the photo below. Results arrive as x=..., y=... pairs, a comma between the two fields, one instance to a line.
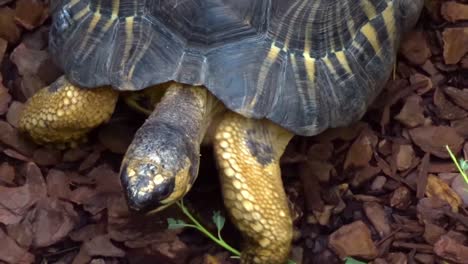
x=267, y=69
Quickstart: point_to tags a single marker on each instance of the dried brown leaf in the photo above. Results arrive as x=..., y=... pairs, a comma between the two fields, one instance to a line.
x=438, y=188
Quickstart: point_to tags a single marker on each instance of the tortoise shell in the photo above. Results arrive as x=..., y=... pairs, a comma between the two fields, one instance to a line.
x=307, y=65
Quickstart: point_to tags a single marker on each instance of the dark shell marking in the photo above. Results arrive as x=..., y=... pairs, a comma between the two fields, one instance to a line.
x=305, y=64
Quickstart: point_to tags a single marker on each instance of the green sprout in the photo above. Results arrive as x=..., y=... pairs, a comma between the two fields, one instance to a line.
x=350, y=260
x=219, y=221
x=462, y=165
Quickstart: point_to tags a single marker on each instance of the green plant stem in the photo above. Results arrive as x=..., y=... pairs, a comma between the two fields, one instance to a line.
x=200, y=228
x=462, y=172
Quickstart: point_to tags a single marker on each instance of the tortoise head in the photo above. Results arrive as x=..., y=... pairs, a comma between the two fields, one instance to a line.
x=158, y=169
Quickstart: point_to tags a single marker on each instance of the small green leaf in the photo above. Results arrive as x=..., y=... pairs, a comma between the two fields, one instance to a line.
x=219, y=220
x=353, y=261
x=175, y=223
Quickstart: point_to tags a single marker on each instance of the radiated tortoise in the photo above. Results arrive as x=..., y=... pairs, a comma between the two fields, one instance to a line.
x=270, y=69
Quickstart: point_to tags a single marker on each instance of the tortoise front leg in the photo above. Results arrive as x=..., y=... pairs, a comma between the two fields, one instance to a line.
x=63, y=113
x=248, y=153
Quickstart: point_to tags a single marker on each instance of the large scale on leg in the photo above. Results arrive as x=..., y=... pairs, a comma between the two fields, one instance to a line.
x=270, y=68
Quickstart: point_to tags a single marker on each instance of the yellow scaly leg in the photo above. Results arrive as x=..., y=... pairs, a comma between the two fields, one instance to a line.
x=248, y=153
x=63, y=113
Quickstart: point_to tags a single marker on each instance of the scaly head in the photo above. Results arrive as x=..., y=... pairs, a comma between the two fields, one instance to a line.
x=162, y=161
x=158, y=169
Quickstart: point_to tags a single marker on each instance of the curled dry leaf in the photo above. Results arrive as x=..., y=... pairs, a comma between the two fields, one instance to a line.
x=422, y=82
x=343, y=241
x=437, y=188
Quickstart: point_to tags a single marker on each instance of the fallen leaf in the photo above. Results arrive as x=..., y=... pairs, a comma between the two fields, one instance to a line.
x=455, y=44
x=7, y=173
x=412, y=113
x=422, y=82
x=361, y=151
x=5, y=98
x=107, y=180
x=438, y=188
x=343, y=241
x=30, y=13
x=10, y=252
x=14, y=112
x=432, y=232
x=28, y=60
x=453, y=11
x=8, y=28
x=22, y=233
x=88, y=232
x=446, y=109
x=11, y=137
x=433, y=139
x=460, y=186
x=58, y=184
x=458, y=96
x=377, y=216
x=401, y=198
x=102, y=246
x=415, y=47
x=450, y=249
x=404, y=157
x=47, y=156
x=16, y=201
x=51, y=221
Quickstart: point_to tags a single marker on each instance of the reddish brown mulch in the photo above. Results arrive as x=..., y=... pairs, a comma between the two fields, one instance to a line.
x=386, y=181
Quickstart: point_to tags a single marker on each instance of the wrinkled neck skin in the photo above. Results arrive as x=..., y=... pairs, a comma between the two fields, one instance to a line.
x=162, y=161
x=189, y=108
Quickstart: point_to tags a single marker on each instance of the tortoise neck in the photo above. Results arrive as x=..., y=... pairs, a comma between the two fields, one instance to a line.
x=189, y=109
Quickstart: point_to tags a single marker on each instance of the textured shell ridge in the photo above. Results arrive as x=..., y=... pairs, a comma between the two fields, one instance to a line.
x=306, y=65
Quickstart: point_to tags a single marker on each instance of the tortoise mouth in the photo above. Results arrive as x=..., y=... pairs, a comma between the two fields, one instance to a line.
x=144, y=188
